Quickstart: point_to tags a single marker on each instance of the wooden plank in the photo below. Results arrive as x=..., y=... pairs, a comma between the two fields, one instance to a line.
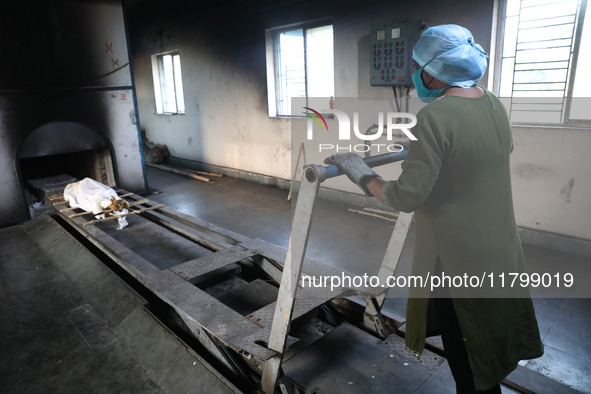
x=56, y=197
x=73, y=208
x=180, y=172
x=124, y=195
x=133, y=204
x=213, y=174
x=381, y=212
x=61, y=197
x=375, y=215
x=120, y=216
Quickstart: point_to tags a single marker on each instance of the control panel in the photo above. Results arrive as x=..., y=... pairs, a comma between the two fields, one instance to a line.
x=391, y=53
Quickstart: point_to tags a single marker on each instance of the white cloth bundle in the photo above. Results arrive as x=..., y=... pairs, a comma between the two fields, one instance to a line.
x=93, y=196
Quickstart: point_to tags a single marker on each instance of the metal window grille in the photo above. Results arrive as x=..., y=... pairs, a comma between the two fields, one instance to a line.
x=537, y=58
x=304, y=65
x=170, y=92
x=291, y=68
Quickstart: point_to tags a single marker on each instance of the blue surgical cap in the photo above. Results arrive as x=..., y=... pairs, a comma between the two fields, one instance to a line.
x=449, y=53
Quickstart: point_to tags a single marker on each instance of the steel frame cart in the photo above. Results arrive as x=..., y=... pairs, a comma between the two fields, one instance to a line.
x=312, y=177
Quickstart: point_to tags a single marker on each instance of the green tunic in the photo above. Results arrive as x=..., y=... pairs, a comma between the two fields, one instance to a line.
x=457, y=179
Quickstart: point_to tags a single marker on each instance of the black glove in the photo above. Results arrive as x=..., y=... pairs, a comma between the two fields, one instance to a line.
x=354, y=167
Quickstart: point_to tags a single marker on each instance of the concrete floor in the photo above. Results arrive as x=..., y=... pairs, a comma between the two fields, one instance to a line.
x=52, y=339
x=55, y=337
x=350, y=240
x=69, y=324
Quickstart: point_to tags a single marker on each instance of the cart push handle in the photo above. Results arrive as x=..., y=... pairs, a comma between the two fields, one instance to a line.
x=322, y=173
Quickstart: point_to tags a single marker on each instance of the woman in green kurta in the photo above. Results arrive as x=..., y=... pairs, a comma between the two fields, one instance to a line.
x=456, y=178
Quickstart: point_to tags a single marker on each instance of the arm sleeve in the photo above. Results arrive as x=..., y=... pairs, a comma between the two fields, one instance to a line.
x=420, y=170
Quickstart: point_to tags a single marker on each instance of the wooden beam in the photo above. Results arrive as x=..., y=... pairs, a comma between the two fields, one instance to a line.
x=133, y=204
x=375, y=215
x=180, y=172
x=213, y=174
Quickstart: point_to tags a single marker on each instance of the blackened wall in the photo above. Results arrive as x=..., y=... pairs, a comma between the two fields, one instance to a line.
x=65, y=61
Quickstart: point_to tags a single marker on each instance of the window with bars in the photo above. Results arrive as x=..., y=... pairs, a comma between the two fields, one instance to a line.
x=300, y=63
x=545, y=43
x=168, y=83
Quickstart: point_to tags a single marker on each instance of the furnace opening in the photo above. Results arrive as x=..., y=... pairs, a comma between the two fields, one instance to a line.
x=59, y=153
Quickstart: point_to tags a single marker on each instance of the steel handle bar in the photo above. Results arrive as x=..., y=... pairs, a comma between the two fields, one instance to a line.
x=322, y=173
